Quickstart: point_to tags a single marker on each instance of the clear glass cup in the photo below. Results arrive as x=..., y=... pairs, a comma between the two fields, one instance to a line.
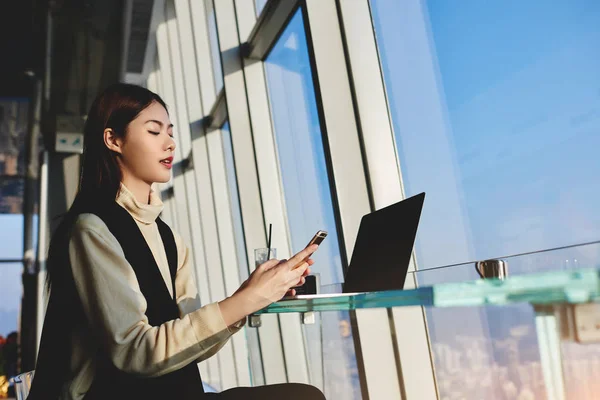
x=262, y=255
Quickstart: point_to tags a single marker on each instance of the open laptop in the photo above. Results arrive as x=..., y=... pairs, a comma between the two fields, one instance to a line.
x=382, y=251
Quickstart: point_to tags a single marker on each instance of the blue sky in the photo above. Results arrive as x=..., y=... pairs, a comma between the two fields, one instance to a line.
x=496, y=113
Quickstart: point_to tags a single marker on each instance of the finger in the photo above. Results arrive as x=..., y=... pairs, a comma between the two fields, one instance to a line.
x=307, y=272
x=302, y=256
x=310, y=261
x=268, y=264
x=298, y=272
x=279, y=262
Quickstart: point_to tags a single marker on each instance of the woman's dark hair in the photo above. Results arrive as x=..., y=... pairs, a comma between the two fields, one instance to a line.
x=100, y=183
x=100, y=178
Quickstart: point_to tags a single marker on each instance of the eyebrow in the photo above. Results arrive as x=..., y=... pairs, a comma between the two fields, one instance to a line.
x=158, y=122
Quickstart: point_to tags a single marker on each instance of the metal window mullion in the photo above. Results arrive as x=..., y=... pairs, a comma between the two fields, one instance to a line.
x=271, y=187
x=220, y=192
x=247, y=176
x=43, y=243
x=376, y=347
x=204, y=233
x=263, y=33
x=208, y=207
x=183, y=223
x=207, y=96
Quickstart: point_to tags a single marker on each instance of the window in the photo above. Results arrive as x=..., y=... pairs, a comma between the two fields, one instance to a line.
x=495, y=109
x=11, y=247
x=300, y=149
x=309, y=205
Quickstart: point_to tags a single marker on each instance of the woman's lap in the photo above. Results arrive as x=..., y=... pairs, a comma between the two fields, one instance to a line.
x=287, y=391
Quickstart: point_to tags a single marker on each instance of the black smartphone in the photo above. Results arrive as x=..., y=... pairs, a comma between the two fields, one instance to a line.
x=318, y=238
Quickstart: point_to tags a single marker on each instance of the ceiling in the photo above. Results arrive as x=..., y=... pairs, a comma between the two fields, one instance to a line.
x=85, y=53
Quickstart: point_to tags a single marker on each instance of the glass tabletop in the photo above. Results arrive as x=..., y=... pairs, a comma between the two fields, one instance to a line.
x=564, y=286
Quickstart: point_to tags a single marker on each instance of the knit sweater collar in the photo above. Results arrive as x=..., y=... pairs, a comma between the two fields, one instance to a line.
x=144, y=213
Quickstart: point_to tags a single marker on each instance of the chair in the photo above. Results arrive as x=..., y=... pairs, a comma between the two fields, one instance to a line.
x=22, y=384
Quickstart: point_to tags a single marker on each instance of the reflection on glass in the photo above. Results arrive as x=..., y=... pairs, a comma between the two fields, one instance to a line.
x=308, y=200
x=215, y=51
x=255, y=360
x=496, y=112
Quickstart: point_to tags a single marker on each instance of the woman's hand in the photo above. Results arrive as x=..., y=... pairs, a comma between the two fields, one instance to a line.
x=267, y=284
x=273, y=279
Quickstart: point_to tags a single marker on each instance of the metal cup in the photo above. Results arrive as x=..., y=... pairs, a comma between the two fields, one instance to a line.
x=492, y=269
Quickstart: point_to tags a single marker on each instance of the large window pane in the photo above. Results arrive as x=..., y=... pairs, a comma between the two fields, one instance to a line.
x=496, y=113
x=495, y=109
x=300, y=149
x=309, y=205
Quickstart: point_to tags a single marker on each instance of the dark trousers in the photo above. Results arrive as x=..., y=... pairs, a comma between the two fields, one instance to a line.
x=284, y=391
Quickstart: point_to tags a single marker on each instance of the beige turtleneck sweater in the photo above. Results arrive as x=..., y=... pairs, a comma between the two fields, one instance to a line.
x=115, y=306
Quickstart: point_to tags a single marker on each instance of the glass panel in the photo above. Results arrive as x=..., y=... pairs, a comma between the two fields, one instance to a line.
x=255, y=359
x=504, y=338
x=504, y=97
x=11, y=247
x=569, y=287
x=307, y=196
x=215, y=51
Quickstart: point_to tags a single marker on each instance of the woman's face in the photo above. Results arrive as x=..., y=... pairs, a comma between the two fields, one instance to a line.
x=147, y=151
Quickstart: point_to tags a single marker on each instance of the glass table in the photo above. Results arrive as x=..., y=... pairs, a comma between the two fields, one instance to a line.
x=562, y=300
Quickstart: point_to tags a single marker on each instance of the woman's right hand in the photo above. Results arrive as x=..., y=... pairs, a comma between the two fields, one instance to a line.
x=267, y=284
x=274, y=278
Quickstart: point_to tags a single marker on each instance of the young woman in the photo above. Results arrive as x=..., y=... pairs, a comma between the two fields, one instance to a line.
x=124, y=319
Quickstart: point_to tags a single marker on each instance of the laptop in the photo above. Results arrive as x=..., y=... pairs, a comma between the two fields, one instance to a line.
x=382, y=251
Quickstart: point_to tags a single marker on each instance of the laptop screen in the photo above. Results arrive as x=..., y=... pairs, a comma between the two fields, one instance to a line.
x=383, y=247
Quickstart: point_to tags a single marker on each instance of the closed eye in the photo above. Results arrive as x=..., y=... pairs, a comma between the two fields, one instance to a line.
x=154, y=133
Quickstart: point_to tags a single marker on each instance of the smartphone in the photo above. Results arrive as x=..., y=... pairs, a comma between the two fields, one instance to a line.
x=318, y=238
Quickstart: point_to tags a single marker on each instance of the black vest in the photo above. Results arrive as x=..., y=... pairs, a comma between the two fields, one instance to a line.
x=110, y=382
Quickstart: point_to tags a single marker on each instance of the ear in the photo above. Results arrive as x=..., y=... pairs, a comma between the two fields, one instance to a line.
x=112, y=141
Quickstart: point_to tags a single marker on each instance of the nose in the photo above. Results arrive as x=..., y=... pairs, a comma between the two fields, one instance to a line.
x=171, y=144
